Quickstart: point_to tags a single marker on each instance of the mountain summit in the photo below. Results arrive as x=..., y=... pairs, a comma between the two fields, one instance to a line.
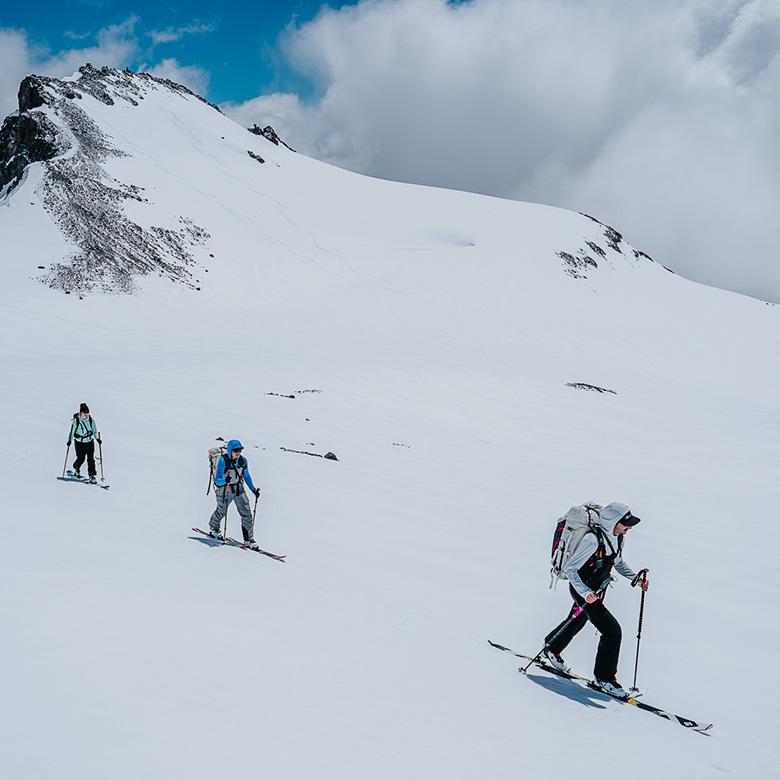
x=128, y=165
x=57, y=126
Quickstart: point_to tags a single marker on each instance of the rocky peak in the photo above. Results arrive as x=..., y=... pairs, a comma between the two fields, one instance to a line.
x=76, y=190
x=270, y=134
x=31, y=93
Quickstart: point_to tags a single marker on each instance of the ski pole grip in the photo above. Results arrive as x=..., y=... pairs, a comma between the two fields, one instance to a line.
x=640, y=577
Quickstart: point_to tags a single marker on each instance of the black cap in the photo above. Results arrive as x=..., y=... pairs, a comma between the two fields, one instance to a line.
x=630, y=520
x=84, y=408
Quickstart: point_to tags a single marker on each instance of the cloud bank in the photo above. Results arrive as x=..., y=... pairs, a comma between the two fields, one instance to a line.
x=660, y=118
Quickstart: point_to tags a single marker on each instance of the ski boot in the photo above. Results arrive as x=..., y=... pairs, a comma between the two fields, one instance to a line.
x=554, y=660
x=251, y=544
x=216, y=534
x=613, y=688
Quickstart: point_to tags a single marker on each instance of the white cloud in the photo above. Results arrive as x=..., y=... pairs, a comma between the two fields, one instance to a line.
x=172, y=34
x=115, y=46
x=191, y=76
x=661, y=117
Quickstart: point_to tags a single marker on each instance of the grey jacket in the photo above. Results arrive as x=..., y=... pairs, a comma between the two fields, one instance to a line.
x=585, y=549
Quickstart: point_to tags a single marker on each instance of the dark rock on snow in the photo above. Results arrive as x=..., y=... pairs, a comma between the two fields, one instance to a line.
x=586, y=386
x=270, y=134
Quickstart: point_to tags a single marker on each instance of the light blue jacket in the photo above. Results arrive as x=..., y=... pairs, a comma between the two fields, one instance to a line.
x=83, y=431
x=238, y=469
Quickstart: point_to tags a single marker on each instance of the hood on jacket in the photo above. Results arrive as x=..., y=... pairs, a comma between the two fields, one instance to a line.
x=613, y=513
x=233, y=444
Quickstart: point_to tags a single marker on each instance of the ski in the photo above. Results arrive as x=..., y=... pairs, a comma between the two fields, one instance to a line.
x=542, y=664
x=235, y=543
x=688, y=723
x=244, y=546
x=84, y=481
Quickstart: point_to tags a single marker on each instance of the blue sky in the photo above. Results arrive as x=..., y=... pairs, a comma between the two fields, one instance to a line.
x=235, y=42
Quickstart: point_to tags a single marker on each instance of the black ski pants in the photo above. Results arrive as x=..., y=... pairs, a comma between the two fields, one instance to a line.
x=605, y=622
x=85, y=450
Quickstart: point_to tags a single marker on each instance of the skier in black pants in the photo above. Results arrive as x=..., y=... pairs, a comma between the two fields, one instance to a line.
x=589, y=572
x=83, y=432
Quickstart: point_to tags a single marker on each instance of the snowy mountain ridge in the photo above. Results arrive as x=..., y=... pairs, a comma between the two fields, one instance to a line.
x=87, y=199
x=477, y=366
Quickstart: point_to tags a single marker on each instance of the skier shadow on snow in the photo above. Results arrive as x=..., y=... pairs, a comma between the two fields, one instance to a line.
x=206, y=541
x=585, y=696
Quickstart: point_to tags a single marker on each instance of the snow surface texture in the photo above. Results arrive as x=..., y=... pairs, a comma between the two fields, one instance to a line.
x=441, y=329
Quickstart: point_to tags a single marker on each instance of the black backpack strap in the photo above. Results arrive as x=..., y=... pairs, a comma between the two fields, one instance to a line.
x=228, y=465
x=609, y=543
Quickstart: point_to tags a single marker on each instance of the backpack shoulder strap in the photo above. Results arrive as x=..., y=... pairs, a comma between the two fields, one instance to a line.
x=609, y=544
x=601, y=537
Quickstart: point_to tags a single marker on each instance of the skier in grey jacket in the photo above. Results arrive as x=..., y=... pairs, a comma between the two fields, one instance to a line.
x=84, y=432
x=589, y=572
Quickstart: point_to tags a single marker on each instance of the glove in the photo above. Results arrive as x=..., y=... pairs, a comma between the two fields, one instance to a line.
x=256, y=491
x=68, y=442
x=100, y=441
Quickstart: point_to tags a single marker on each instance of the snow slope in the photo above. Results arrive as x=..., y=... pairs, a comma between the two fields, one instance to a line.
x=440, y=329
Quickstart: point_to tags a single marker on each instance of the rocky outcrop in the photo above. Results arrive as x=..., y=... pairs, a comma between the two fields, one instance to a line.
x=326, y=456
x=25, y=139
x=80, y=196
x=589, y=387
x=28, y=136
x=577, y=266
x=270, y=134
x=579, y=263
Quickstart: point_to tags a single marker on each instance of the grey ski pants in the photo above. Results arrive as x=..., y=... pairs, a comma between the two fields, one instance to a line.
x=225, y=497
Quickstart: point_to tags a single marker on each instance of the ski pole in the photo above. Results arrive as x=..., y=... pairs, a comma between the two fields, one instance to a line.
x=211, y=476
x=227, y=506
x=641, y=577
x=254, y=511
x=65, y=465
x=576, y=611
x=100, y=447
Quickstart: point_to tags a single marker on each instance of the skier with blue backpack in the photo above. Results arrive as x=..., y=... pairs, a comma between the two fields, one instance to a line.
x=230, y=475
x=587, y=546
